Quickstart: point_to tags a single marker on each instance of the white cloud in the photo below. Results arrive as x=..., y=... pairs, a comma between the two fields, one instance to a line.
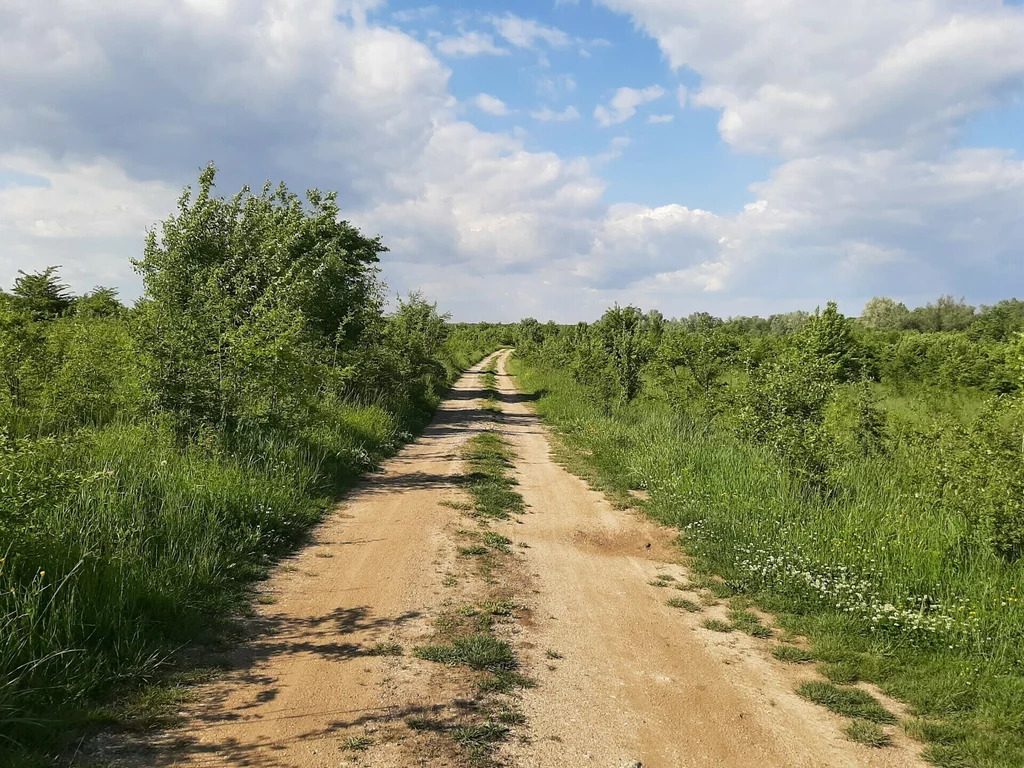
x=682, y=95
x=624, y=103
x=548, y=115
x=470, y=44
x=492, y=105
x=654, y=119
x=525, y=33
x=799, y=76
x=118, y=107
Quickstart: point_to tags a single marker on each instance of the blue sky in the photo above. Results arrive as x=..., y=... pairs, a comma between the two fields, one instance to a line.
x=536, y=158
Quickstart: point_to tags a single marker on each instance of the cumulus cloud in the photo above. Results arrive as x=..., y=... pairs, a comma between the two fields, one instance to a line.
x=548, y=115
x=470, y=44
x=526, y=33
x=107, y=113
x=492, y=105
x=624, y=103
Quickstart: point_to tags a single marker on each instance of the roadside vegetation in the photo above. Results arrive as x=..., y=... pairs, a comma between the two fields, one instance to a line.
x=155, y=459
x=860, y=478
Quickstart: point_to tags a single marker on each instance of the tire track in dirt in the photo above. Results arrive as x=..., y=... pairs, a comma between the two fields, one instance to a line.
x=639, y=681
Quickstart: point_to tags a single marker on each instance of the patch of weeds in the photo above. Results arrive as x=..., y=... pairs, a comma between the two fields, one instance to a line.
x=523, y=545
x=498, y=607
x=551, y=653
x=841, y=672
x=449, y=581
x=463, y=506
x=792, y=654
x=717, y=625
x=665, y=577
x=480, y=735
x=497, y=541
x=479, y=651
x=510, y=716
x=867, y=733
x=504, y=682
x=489, y=482
x=682, y=602
x=384, y=649
x=852, y=702
x=748, y=622
x=657, y=583
x=358, y=743
x=708, y=600
x=476, y=549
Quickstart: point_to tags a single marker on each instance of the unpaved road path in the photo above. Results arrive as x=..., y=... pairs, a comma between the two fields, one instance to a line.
x=622, y=678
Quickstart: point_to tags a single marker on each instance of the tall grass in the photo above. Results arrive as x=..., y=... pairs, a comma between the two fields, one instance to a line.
x=121, y=544
x=915, y=599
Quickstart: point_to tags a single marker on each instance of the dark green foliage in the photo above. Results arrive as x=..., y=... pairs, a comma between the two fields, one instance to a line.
x=154, y=460
x=252, y=304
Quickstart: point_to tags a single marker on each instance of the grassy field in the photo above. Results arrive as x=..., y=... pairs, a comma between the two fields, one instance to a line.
x=885, y=586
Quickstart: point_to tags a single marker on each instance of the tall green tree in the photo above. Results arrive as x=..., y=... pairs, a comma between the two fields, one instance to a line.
x=247, y=299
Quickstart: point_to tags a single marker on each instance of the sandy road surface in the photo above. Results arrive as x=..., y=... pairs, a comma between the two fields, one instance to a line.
x=632, y=680
x=640, y=681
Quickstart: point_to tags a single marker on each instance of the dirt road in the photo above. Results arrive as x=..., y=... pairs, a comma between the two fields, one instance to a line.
x=622, y=678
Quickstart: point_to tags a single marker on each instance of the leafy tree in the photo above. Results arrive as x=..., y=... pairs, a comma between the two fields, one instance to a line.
x=885, y=314
x=828, y=338
x=249, y=299
x=999, y=322
x=790, y=322
x=691, y=365
x=945, y=314
x=42, y=294
x=100, y=302
x=629, y=340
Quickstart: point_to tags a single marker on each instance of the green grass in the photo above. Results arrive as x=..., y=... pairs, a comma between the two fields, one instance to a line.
x=717, y=625
x=852, y=702
x=480, y=651
x=488, y=460
x=868, y=734
x=125, y=544
x=358, y=743
x=792, y=654
x=757, y=529
x=682, y=602
x=384, y=649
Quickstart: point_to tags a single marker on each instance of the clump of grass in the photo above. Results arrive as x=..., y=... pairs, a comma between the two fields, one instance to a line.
x=489, y=482
x=504, y=682
x=682, y=602
x=748, y=622
x=473, y=549
x=384, y=649
x=358, y=743
x=841, y=672
x=497, y=541
x=464, y=506
x=792, y=654
x=478, y=651
x=868, y=733
x=551, y=653
x=657, y=583
x=665, y=577
x=498, y=607
x=852, y=702
x=483, y=734
x=717, y=625
x=510, y=716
